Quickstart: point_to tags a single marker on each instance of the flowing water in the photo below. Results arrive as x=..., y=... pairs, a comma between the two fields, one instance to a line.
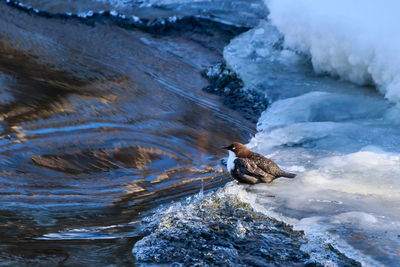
x=105, y=129
x=101, y=123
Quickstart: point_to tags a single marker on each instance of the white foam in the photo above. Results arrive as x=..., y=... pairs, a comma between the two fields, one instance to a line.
x=357, y=40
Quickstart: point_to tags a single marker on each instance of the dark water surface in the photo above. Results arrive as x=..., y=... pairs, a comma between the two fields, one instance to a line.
x=99, y=125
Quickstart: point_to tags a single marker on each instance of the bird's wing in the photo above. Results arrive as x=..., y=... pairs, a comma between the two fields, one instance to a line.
x=267, y=165
x=247, y=167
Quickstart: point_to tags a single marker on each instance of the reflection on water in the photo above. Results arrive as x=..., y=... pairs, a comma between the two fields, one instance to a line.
x=99, y=125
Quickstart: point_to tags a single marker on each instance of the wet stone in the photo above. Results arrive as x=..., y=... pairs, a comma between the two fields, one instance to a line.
x=224, y=82
x=218, y=229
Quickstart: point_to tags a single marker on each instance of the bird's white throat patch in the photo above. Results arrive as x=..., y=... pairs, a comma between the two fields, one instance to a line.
x=230, y=164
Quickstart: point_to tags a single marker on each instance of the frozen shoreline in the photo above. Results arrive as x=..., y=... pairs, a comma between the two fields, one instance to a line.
x=342, y=139
x=357, y=41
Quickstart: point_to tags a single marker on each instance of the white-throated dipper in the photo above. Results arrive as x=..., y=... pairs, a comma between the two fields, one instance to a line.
x=251, y=168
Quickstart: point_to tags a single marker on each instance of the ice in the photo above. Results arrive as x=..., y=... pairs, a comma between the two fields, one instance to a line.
x=317, y=229
x=261, y=61
x=357, y=40
x=364, y=173
x=342, y=140
x=359, y=218
x=321, y=106
x=327, y=121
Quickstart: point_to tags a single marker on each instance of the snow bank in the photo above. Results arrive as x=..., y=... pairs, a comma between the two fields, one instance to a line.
x=356, y=40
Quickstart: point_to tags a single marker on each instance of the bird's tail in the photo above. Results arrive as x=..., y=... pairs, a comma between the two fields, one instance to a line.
x=287, y=175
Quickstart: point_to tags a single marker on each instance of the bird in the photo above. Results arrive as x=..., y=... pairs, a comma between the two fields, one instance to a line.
x=249, y=167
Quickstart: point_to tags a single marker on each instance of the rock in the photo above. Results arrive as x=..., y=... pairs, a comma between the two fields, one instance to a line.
x=227, y=84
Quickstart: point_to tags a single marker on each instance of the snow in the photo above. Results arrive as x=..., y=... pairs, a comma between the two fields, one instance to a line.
x=356, y=40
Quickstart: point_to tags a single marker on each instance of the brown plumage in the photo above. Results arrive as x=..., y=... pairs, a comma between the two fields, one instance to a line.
x=252, y=168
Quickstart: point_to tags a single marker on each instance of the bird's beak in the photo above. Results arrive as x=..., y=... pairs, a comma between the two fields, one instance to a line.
x=225, y=147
